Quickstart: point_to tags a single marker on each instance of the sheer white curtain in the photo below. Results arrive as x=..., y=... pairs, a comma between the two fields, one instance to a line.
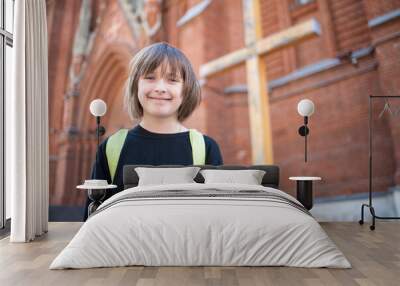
x=27, y=121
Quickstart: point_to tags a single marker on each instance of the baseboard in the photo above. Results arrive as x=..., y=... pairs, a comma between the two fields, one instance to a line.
x=66, y=213
x=5, y=231
x=349, y=208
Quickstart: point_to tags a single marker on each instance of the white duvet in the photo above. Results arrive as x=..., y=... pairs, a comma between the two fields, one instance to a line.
x=206, y=230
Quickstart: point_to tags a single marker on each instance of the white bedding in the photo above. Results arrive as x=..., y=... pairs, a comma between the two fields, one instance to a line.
x=190, y=230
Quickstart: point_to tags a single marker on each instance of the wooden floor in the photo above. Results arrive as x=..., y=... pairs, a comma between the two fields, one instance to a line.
x=374, y=255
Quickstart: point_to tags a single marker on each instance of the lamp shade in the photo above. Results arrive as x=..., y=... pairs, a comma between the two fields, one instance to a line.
x=98, y=107
x=305, y=107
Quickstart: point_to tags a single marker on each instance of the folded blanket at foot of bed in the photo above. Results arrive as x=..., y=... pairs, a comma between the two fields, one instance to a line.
x=203, y=225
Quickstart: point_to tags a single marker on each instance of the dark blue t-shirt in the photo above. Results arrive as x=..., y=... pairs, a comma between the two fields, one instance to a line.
x=143, y=147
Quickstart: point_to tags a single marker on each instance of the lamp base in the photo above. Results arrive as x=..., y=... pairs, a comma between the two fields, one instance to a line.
x=303, y=130
x=101, y=130
x=97, y=196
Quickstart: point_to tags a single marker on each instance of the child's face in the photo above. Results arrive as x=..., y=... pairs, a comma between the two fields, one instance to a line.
x=160, y=94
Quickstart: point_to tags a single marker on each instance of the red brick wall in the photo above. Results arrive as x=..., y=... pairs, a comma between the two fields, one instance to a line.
x=387, y=51
x=106, y=71
x=63, y=18
x=312, y=50
x=271, y=24
x=350, y=24
x=375, y=8
x=338, y=144
x=338, y=141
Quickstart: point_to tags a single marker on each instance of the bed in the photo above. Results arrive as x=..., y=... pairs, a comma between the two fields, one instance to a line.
x=201, y=224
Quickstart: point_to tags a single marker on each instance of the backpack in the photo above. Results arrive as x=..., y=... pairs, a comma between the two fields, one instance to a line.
x=116, y=141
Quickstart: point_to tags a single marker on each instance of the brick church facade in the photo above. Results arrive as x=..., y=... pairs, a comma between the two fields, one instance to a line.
x=356, y=54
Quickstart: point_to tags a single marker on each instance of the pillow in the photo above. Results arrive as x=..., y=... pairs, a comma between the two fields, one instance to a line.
x=248, y=177
x=162, y=176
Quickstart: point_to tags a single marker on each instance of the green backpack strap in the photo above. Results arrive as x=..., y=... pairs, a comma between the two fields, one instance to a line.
x=198, y=147
x=116, y=141
x=113, y=150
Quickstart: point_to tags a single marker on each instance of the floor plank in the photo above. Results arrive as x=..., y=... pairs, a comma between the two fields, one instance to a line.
x=374, y=255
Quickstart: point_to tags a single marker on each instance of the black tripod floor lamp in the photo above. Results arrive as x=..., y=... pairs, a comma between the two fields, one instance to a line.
x=369, y=205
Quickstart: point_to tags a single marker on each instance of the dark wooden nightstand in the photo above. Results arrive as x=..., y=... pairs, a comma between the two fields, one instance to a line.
x=96, y=194
x=304, y=190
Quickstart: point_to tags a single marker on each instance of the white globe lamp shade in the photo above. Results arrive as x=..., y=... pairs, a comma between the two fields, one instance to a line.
x=305, y=107
x=98, y=107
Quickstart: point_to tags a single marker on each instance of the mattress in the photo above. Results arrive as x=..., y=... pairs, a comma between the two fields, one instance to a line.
x=201, y=225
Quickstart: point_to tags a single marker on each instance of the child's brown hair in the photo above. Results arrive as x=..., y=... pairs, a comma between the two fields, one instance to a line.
x=150, y=58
